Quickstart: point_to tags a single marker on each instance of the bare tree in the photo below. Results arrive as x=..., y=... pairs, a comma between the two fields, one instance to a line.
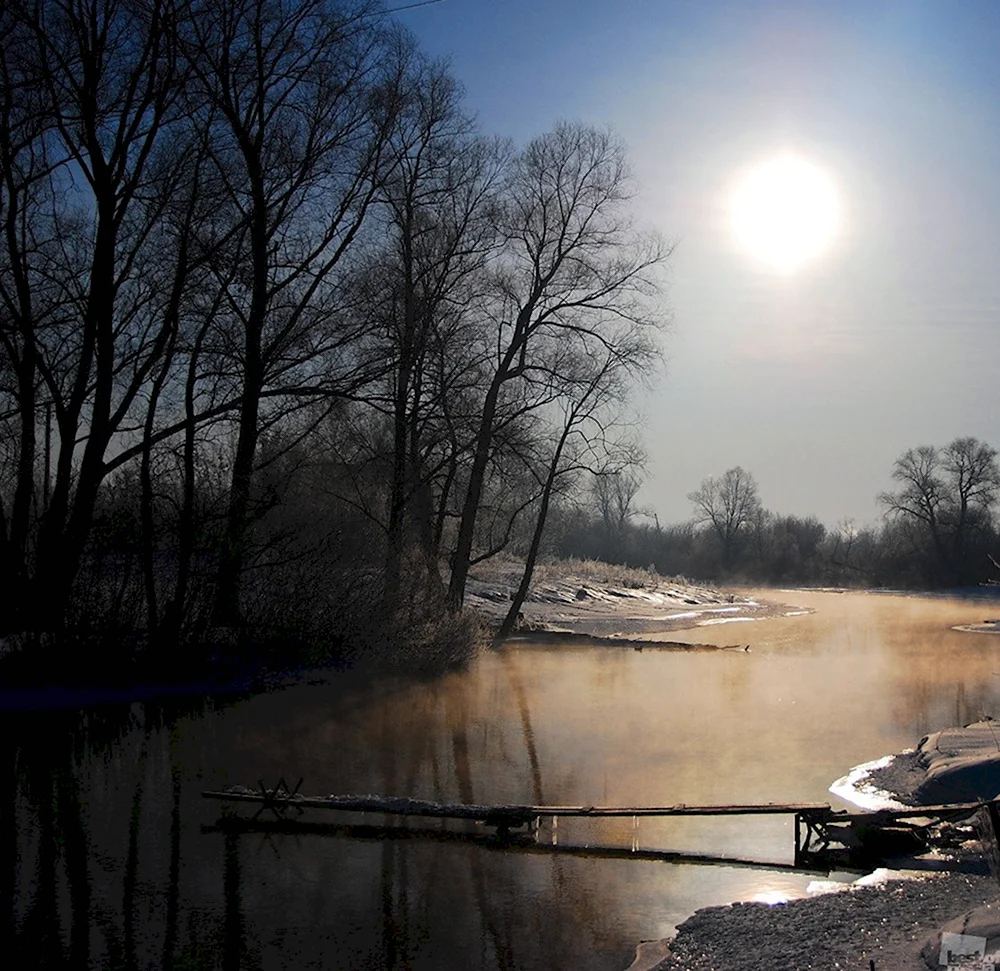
x=82, y=296
x=593, y=389
x=923, y=494
x=729, y=505
x=574, y=273
x=440, y=217
x=24, y=122
x=762, y=530
x=299, y=99
x=971, y=467
x=947, y=494
x=614, y=495
x=221, y=217
x=850, y=549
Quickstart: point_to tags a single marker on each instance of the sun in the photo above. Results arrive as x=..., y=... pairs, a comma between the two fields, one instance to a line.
x=785, y=212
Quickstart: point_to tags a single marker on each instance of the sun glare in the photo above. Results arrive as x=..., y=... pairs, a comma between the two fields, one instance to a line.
x=784, y=212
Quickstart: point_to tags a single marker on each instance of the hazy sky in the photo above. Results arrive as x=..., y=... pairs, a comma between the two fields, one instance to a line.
x=814, y=381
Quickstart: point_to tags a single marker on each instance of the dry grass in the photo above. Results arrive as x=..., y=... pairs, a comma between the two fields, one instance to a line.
x=608, y=574
x=507, y=570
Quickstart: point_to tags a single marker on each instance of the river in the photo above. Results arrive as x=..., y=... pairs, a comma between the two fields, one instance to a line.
x=110, y=861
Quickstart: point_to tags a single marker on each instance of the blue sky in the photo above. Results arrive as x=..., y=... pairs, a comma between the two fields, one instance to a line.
x=813, y=381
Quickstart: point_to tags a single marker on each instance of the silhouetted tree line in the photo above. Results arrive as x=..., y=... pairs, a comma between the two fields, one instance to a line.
x=285, y=340
x=938, y=529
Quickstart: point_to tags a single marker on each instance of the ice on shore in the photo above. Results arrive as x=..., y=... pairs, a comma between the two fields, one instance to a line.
x=856, y=789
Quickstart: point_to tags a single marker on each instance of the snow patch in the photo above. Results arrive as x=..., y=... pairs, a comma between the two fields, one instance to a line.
x=877, y=878
x=854, y=788
x=817, y=887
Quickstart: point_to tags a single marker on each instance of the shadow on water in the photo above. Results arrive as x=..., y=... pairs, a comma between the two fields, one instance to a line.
x=516, y=843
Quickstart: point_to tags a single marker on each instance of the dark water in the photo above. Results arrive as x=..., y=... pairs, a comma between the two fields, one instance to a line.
x=106, y=861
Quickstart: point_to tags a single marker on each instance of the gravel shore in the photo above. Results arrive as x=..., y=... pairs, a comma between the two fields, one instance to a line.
x=886, y=924
x=900, y=777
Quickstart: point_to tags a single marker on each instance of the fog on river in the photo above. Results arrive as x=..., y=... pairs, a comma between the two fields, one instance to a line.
x=111, y=861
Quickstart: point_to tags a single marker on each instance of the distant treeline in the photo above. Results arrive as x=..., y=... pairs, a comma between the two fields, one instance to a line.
x=286, y=343
x=938, y=529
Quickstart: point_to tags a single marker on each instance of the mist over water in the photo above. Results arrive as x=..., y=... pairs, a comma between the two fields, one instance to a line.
x=107, y=863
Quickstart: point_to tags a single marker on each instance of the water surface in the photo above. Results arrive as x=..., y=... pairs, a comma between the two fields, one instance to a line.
x=109, y=864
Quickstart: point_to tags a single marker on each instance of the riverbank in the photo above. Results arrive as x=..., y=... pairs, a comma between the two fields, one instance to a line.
x=571, y=603
x=888, y=924
x=586, y=598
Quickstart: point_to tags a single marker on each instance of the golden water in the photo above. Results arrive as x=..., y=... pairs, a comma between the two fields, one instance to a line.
x=816, y=694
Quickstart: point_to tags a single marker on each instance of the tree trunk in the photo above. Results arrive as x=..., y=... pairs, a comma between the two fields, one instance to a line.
x=68, y=524
x=176, y=609
x=510, y=621
x=477, y=477
x=226, y=612
x=473, y=495
x=227, y=591
x=396, y=539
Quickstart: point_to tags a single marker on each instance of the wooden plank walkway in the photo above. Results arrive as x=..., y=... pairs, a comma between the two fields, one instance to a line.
x=402, y=806
x=817, y=824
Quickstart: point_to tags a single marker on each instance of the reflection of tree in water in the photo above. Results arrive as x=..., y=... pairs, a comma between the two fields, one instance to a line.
x=174, y=872
x=43, y=820
x=99, y=869
x=8, y=832
x=409, y=740
x=458, y=718
x=518, y=911
x=517, y=686
x=593, y=918
x=444, y=742
x=938, y=677
x=233, y=924
x=132, y=857
x=80, y=882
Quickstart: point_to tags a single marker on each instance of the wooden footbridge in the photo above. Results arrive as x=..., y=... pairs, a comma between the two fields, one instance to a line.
x=822, y=834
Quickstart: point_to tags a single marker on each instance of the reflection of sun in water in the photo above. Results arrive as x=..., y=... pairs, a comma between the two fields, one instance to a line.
x=784, y=212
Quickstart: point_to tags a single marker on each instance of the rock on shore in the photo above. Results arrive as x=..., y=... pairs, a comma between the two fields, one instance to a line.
x=952, y=765
x=961, y=764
